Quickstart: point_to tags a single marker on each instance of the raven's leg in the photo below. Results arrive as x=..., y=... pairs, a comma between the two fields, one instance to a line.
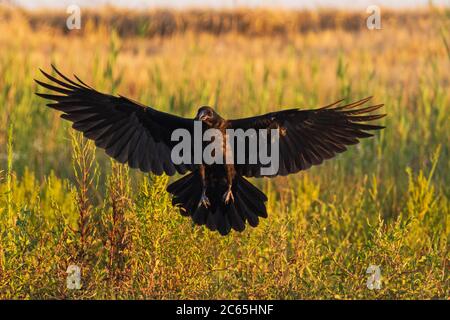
x=204, y=201
x=228, y=195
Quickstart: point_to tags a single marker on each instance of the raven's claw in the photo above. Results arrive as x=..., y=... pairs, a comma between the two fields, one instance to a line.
x=227, y=196
x=204, y=201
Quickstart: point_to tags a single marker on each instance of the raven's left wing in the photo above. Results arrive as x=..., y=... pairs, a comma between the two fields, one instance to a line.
x=128, y=131
x=308, y=137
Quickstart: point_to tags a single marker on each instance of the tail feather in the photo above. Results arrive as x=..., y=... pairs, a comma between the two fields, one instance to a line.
x=252, y=189
x=255, y=204
x=223, y=221
x=248, y=206
x=200, y=215
x=237, y=222
x=211, y=221
x=181, y=184
x=246, y=213
x=186, y=193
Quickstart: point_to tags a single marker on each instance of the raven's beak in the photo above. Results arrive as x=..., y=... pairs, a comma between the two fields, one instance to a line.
x=202, y=115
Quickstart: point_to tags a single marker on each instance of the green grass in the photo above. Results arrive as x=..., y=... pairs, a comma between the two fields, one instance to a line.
x=384, y=202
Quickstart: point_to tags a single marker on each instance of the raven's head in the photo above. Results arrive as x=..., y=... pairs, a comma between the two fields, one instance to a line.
x=208, y=115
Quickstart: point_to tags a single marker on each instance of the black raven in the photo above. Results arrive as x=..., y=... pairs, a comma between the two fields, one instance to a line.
x=215, y=195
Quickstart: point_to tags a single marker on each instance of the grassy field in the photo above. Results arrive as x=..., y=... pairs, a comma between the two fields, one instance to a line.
x=384, y=202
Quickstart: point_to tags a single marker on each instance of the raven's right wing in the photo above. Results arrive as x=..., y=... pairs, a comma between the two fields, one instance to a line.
x=308, y=137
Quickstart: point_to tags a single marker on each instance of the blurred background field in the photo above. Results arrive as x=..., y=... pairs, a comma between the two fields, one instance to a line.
x=384, y=202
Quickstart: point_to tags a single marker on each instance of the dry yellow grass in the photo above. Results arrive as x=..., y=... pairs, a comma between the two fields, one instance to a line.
x=383, y=202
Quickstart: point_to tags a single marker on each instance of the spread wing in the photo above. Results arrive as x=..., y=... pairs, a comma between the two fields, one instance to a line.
x=308, y=137
x=128, y=131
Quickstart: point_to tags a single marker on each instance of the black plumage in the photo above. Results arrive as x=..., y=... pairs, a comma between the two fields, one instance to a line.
x=216, y=195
